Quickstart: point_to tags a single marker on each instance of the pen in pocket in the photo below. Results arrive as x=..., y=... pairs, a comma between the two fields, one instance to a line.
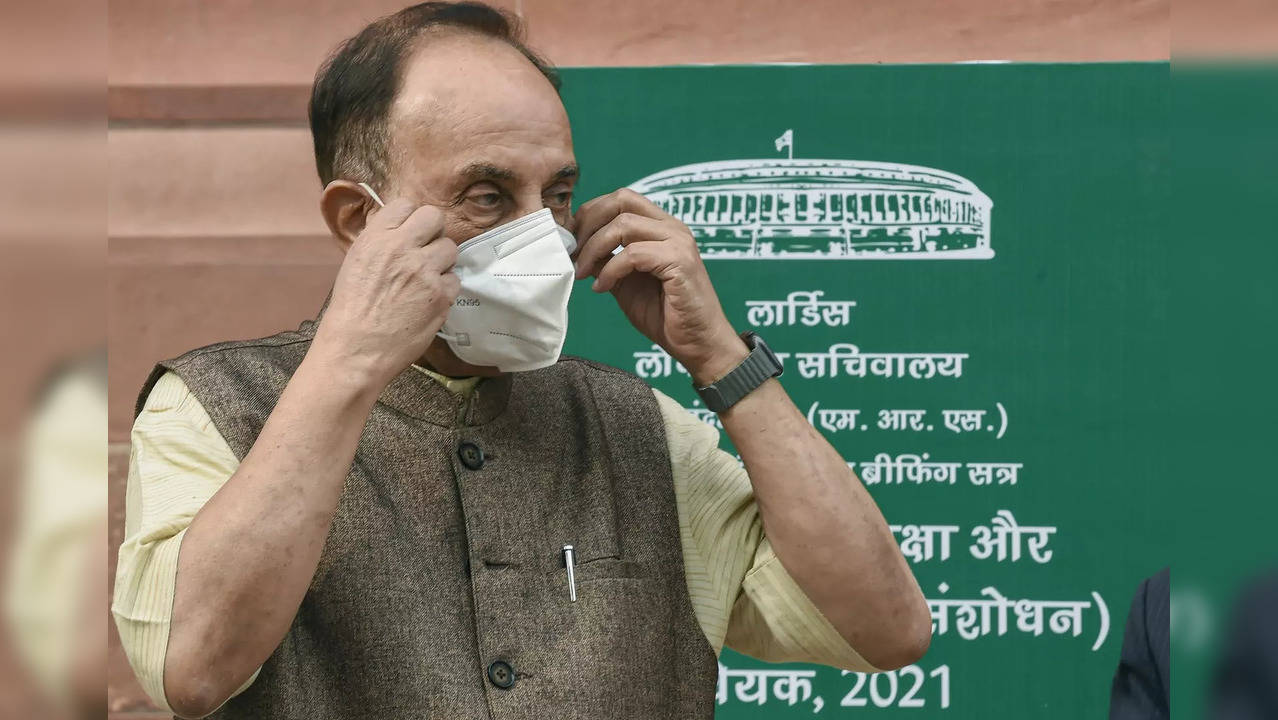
x=569, y=561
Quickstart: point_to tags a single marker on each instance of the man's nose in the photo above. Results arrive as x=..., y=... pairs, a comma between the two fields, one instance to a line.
x=527, y=205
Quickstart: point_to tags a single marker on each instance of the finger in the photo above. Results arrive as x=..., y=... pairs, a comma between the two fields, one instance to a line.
x=391, y=216
x=623, y=230
x=452, y=286
x=642, y=257
x=425, y=224
x=439, y=255
x=600, y=211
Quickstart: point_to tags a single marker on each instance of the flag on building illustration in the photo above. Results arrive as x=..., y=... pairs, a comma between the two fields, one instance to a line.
x=786, y=141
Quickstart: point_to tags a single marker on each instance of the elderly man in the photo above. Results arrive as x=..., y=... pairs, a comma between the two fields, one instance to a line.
x=412, y=507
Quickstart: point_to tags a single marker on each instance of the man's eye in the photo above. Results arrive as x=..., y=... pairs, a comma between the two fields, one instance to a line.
x=486, y=201
x=559, y=199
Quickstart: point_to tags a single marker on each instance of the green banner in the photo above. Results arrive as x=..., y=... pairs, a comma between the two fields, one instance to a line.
x=959, y=265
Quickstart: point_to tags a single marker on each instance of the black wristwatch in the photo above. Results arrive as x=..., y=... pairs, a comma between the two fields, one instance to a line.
x=756, y=369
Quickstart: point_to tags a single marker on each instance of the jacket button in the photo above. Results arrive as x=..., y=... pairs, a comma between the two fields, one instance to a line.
x=501, y=674
x=471, y=456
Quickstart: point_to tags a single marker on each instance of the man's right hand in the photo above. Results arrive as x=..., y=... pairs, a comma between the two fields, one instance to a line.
x=265, y=528
x=392, y=294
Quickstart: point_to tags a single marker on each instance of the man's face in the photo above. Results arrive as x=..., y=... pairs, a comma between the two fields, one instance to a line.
x=479, y=132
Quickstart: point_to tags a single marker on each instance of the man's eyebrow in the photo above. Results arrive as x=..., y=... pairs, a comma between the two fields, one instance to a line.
x=486, y=171
x=567, y=172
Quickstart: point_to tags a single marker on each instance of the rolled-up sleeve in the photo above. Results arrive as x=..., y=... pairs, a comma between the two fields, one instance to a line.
x=177, y=461
x=742, y=595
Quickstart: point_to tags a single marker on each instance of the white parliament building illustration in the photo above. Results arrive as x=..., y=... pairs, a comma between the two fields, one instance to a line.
x=787, y=208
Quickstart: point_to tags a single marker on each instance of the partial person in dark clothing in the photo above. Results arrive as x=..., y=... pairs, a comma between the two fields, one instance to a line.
x=1245, y=686
x=1141, y=689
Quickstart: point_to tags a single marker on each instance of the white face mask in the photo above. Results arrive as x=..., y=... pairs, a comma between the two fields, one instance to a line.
x=512, y=312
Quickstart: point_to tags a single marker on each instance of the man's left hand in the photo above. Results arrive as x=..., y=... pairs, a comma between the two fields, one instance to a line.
x=658, y=280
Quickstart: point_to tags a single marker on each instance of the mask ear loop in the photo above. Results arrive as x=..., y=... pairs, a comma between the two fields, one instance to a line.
x=373, y=194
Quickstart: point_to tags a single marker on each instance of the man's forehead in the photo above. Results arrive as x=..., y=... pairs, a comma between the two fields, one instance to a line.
x=460, y=89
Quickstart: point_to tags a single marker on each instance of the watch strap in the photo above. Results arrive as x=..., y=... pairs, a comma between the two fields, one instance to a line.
x=725, y=392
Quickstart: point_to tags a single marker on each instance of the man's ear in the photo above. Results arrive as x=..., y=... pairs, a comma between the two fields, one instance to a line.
x=345, y=207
